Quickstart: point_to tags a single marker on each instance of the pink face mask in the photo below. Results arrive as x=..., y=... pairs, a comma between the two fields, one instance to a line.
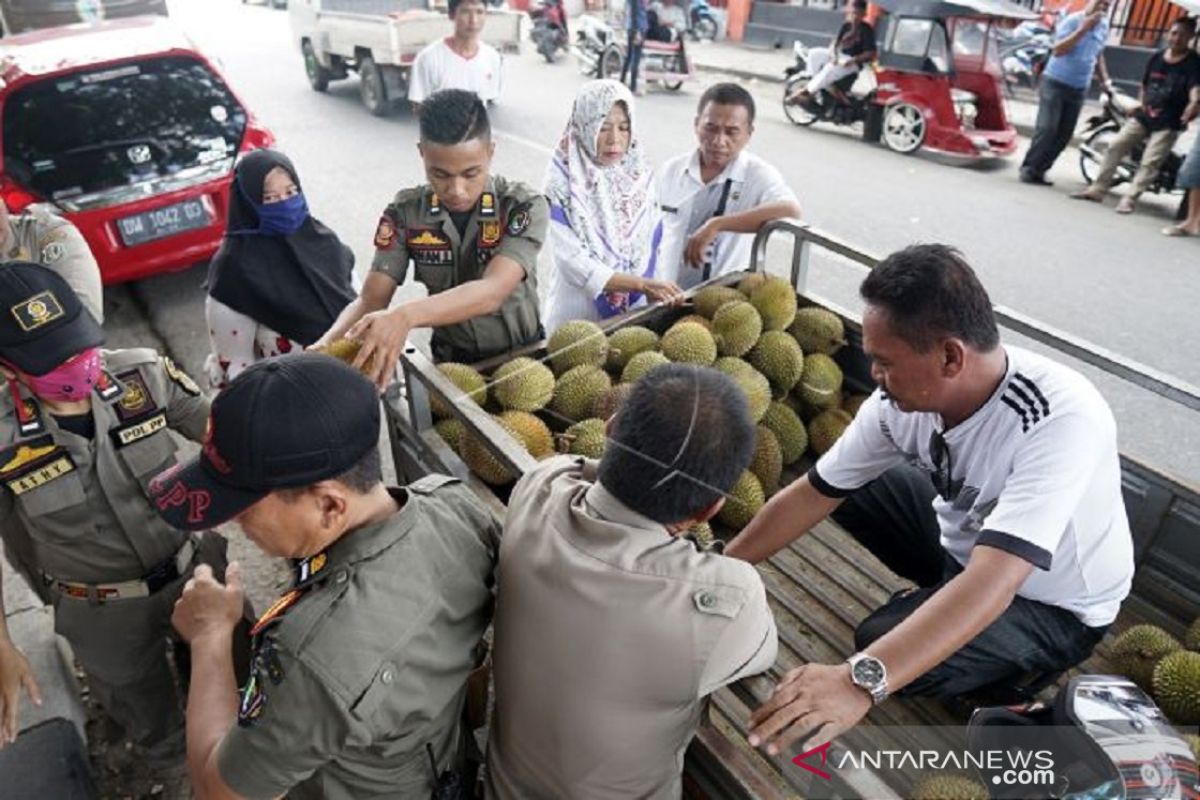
x=71, y=381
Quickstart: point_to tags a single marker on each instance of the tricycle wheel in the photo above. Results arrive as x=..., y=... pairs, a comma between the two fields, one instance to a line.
x=798, y=113
x=373, y=90
x=318, y=76
x=671, y=86
x=611, y=61
x=904, y=128
x=1092, y=152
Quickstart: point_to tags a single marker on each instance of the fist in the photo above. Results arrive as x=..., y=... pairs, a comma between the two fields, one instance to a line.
x=208, y=607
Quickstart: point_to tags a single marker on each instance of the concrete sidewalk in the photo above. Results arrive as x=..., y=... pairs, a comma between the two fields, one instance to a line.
x=758, y=64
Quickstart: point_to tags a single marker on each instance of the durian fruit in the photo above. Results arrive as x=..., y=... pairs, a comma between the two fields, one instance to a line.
x=943, y=786
x=1193, y=741
x=608, y=404
x=826, y=428
x=702, y=533
x=789, y=431
x=754, y=384
x=807, y=411
x=626, y=343
x=767, y=464
x=1137, y=650
x=1192, y=639
x=468, y=381
x=821, y=382
x=779, y=358
x=451, y=431
x=642, y=363
x=523, y=384
x=1177, y=686
x=853, y=403
x=347, y=350
x=577, y=342
x=775, y=301
x=526, y=428
x=699, y=320
x=736, y=327
x=744, y=500
x=710, y=298
x=578, y=390
x=751, y=282
x=689, y=343
x=586, y=438
x=818, y=330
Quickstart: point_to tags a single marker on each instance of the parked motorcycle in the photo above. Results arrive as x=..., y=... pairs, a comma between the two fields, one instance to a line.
x=702, y=22
x=601, y=54
x=550, y=29
x=824, y=106
x=1024, y=53
x=1097, y=135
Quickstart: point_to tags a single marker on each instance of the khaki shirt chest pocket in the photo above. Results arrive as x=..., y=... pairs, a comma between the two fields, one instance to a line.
x=433, y=258
x=149, y=455
x=60, y=497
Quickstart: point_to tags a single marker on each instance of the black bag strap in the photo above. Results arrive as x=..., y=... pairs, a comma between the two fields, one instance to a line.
x=720, y=212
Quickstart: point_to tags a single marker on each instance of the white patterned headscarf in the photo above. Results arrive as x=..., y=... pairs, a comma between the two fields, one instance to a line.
x=611, y=209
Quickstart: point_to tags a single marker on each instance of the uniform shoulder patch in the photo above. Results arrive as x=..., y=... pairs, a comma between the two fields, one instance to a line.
x=431, y=483
x=53, y=249
x=137, y=398
x=518, y=219
x=179, y=377
x=385, y=232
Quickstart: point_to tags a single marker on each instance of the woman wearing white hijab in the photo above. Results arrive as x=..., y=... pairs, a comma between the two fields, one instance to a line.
x=604, y=221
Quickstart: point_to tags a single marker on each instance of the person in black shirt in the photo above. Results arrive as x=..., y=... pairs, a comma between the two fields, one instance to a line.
x=853, y=46
x=1169, y=100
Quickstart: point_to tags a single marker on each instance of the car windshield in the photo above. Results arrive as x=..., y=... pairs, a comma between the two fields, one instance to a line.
x=92, y=132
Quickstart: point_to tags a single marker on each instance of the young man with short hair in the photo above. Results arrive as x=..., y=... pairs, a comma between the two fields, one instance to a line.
x=460, y=61
x=1169, y=100
x=358, y=679
x=717, y=196
x=611, y=628
x=473, y=238
x=986, y=474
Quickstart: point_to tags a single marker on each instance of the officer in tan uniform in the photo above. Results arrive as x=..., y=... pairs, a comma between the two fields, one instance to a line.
x=358, y=678
x=85, y=432
x=611, y=629
x=40, y=235
x=473, y=239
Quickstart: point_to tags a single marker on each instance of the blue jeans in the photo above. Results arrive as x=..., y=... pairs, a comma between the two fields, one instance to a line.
x=893, y=518
x=633, y=59
x=1058, y=112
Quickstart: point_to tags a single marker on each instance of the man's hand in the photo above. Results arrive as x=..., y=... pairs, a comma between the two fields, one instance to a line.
x=14, y=674
x=662, y=292
x=1092, y=20
x=207, y=607
x=383, y=335
x=700, y=242
x=816, y=702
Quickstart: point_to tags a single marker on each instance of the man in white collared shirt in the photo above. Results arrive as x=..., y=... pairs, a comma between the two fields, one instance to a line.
x=715, y=198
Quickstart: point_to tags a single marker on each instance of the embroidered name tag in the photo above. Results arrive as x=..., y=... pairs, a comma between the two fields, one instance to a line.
x=128, y=434
x=40, y=476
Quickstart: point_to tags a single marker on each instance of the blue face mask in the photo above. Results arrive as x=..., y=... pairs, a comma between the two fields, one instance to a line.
x=283, y=218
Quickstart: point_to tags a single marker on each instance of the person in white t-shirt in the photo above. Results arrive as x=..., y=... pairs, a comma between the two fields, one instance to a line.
x=715, y=198
x=460, y=61
x=987, y=475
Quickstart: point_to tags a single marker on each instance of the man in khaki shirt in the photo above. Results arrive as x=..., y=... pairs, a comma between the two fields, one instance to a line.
x=40, y=235
x=358, y=679
x=610, y=629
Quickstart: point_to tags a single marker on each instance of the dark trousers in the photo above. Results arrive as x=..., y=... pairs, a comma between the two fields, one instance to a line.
x=893, y=518
x=633, y=59
x=1058, y=112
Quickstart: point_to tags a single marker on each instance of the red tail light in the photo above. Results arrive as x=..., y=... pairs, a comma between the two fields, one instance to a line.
x=256, y=137
x=15, y=198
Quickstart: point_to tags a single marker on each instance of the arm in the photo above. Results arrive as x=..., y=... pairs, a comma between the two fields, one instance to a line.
x=230, y=338
x=15, y=674
x=786, y=517
x=1071, y=40
x=1102, y=71
x=749, y=643
x=1193, y=108
x=579, y=265
x=186, y=407
x=748, y=221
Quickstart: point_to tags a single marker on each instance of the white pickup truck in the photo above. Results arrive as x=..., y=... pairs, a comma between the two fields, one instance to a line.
x=379, y=39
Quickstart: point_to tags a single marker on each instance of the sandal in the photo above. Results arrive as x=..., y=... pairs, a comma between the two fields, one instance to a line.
x=1176, y=230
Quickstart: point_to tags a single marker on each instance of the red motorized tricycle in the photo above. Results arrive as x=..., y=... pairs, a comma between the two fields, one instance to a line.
x=938, y=83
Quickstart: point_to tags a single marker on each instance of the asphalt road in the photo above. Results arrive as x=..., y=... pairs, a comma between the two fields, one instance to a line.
x=1112, y=280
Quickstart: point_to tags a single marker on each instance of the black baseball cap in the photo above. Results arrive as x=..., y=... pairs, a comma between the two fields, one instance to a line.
x=43, y=324
x=284, y=423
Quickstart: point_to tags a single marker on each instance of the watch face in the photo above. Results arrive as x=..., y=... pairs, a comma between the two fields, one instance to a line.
x=868, y=672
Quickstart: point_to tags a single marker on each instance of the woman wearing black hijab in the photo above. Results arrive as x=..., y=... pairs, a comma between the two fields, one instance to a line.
x=280, y=279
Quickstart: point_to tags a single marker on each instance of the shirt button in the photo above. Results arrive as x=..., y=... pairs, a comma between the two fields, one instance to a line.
x=341, y=577
x=386, y=677
x=708, y=600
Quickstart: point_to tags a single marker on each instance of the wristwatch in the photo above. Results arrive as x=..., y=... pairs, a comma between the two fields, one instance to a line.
x=869, y=674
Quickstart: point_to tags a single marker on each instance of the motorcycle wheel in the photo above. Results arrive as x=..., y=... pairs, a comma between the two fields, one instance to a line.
x=705, y=29
x=1092, y=152
x=797, y=114
x=611, y=61
x=548, y=49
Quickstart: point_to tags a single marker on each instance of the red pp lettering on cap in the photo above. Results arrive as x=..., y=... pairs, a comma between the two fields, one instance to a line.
x=158, y=482
x=175, y=496
x=198, y=502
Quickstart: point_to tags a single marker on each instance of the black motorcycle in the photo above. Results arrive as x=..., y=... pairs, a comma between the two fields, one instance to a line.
x=1098, y=133
x=550, y=29
x=825, y=106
